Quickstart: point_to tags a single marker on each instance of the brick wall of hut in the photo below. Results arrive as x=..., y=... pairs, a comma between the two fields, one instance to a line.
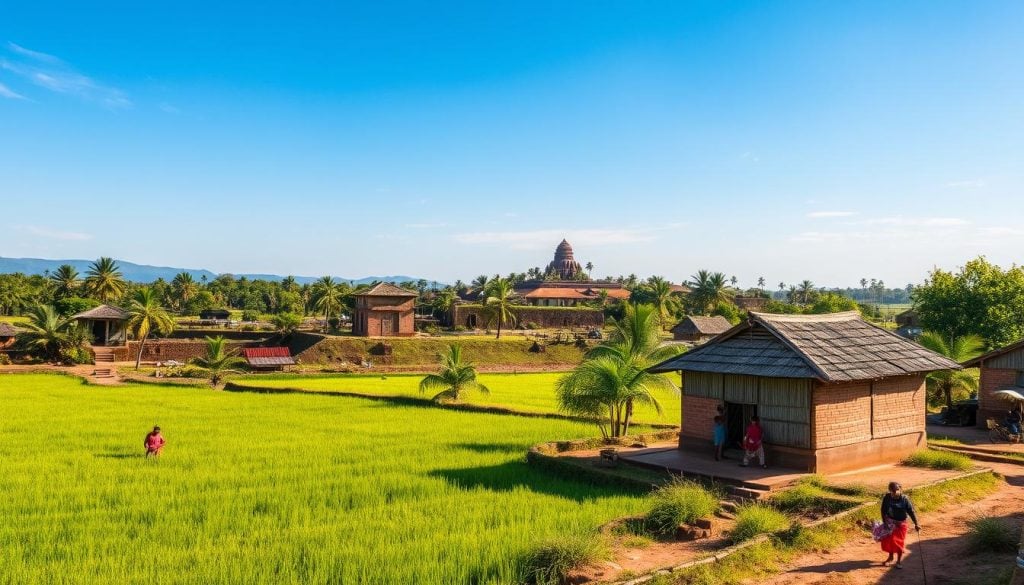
x=160, y=350
x=547, y=317
x=989, y=405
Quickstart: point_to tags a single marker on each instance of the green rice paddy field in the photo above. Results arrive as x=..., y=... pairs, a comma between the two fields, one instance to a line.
x=273, y=488
x=533, y=393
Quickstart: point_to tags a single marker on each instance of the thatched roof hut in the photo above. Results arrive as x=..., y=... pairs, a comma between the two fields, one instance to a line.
x=696, y=328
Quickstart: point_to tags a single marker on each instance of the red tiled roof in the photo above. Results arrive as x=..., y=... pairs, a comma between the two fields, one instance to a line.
x=386, y=289
x=268, y=356
x=555, y=293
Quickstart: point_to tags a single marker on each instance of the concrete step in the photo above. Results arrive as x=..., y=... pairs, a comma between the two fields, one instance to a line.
x=746, y=494
x=103, y=373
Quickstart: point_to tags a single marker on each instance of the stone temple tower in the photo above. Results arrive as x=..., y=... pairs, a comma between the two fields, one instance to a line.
x=564, y=266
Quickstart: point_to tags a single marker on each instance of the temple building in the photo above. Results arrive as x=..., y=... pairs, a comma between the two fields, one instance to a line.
x=564, y=266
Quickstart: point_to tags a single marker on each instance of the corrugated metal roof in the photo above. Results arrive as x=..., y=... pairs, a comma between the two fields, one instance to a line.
x=268, y=356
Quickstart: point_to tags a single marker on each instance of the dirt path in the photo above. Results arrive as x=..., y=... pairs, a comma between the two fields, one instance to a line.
x=946, y=558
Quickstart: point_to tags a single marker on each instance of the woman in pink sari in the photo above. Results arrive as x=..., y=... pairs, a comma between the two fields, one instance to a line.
x=154, y=443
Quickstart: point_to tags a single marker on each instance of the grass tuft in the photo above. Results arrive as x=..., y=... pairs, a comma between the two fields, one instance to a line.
x=964, y=489
x=550, y=561
x=940, y=460
x=755, y=519
x=805, y=498
x=680, y=502
x=988, y=534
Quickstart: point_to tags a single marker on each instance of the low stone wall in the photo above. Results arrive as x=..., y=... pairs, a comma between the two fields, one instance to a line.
x=182, y=350
x=472, y=317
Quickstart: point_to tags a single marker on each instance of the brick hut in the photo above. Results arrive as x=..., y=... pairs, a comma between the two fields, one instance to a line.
x=385, y=310
x=106, y=323
x=1001, y=369
x=7, y=335
x=700, y=329
x=833, y=392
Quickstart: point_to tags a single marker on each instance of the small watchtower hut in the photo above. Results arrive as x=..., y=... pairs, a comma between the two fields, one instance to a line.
x=385, y=310
x=106, y=323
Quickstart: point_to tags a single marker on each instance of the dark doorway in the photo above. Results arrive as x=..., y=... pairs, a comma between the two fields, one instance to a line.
x=99, y=332
x=471, y=322
x=737, y=418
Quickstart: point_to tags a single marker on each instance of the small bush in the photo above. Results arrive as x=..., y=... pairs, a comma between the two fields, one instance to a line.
x=988, y=534
x=551, y=561
x=939, y=460
x=755, y=519
x=249, y=315
x=4, y=360
x=806, y=497
x=681, y=502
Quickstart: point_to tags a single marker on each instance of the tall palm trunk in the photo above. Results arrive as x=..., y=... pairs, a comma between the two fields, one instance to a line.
x=499, y=327
x=138, y=356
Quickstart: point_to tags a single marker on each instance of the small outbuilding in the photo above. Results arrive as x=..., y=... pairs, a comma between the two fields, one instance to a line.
x=7, y=335
x=700, y=329
x=106, y=323
x=833, y=392
x=385, y=310
x=268, y=358
x=215, y=314
x=1001, y=369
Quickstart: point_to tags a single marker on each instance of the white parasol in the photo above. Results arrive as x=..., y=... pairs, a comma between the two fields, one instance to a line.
x=1010, y=395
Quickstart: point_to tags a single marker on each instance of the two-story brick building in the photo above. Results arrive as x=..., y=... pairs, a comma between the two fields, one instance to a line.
x=385, y=310
x=833, y=392
x=1001, y=369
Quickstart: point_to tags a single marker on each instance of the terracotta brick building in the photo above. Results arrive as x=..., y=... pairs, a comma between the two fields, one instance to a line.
x=1001, y=369
x=385, y=310
x=833, y=392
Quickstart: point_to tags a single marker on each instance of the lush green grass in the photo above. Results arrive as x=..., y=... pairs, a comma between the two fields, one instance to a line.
x=940, y=460
x=755, y=519
x=681, y=502
x=509, y=350
x=15, y=320
x=523, y=392
x=551, y=560
x=988, y=534
x=285, y=488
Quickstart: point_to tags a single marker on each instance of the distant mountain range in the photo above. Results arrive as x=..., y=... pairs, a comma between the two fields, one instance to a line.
x=146, y=273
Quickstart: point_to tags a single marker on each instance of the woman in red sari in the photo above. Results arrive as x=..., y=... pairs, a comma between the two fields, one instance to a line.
x=896, y=508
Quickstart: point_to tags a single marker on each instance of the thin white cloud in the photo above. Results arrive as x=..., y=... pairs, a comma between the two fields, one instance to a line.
x=53, y=74
x=425, y=225
x=542, y=239
x=45, y=232
x=900, y=221
x=827, y=214
x=9, y=93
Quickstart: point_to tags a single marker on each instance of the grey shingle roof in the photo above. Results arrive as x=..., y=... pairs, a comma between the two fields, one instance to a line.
x=7, y=330
x=103, y=312
x=703, y=325
x=832, y=348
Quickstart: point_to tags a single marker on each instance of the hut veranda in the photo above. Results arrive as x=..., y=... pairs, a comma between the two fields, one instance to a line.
x=833, y=392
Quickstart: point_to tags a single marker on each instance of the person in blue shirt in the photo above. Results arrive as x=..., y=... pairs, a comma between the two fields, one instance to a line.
x=719, y=437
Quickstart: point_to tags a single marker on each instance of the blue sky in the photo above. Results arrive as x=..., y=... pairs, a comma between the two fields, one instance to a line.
x=790, y=140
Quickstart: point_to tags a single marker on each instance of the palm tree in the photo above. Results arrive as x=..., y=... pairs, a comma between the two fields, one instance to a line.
x=959, y=349
x=49, y=335
x=145, y=316
x=661, y=296
x=103, y=280
x=185, y=288
x=328, y=296
x=498, y=306
x=454, y=378
x=590, y=269
x=218, y=362
x=806, y=289
x=633, y=346
x=65, y=281
x=443, y=302
x=709, y=290
x=480, y=283
x=760, y=283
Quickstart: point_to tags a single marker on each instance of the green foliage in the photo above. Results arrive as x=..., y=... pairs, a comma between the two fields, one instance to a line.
x=256, y=488
x=979, y=299
x=549, y=562
x=455, y=377
x=945, y=383
x=498, y=304
x=146, y=316
x=939, y=460
x=755, y=519
x=820, y=303
x=250, y=315
x=51, y=337
x=989, y=534
x=709, y=290
x=286, y=323
x=960, y=490
x=809, y=497
x=730, y=311
x=680, y=502
x=103, y=280
x=65, y=281
x=218, y=361
x=69, y=306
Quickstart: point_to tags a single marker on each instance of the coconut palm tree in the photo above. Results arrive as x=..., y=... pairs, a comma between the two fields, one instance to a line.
x=65, y=280
x=454, y=378
x=104, y=281
x=806, y=289
x=328, y=296
x=185, y=288
x=49, y=335
x=760, y=283
x=145, y=316
x=499, y=303
x=709, y=289
x=661, y=297
x=959, y=349
x=443, y=302
x=590, y=269
x=218, y=362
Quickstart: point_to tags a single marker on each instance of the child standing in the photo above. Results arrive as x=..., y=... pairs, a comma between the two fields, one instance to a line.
x=719, y=437
x=154, y=443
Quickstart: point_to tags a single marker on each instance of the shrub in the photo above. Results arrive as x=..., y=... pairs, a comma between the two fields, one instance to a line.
x=939, y=460
x=250, y=315
x=988, y=534
x=755, y=519
x=681, y=502
x=4, y=360
x=551, y=561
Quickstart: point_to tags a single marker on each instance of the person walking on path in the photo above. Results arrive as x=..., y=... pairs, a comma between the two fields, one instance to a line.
x=752, y=443
x=719, y=437
x=154, y=443
x=896, y=508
